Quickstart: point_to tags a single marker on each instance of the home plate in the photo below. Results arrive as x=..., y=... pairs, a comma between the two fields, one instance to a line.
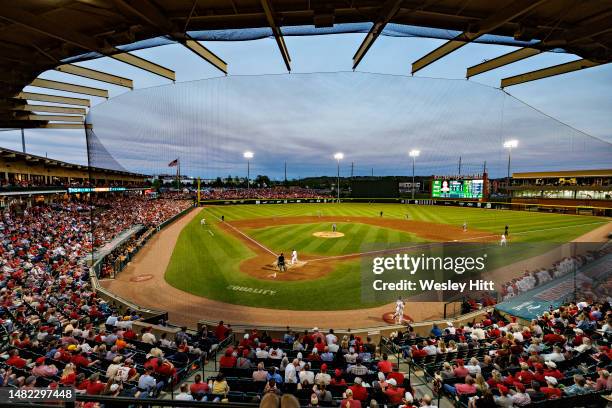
x=298, y=264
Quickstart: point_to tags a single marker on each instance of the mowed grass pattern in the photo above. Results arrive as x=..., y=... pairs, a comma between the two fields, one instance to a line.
x=524, y=226
x=285, y=238
x=207, y=264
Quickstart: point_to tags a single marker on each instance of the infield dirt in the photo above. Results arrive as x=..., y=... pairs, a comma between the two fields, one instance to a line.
x=262, y=266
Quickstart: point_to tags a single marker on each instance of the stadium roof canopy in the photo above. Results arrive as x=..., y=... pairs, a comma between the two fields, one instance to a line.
x=39, y=35
x=8, y=155
x=565, y=173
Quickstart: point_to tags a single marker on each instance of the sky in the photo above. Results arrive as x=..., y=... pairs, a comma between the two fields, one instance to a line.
x=582, y=100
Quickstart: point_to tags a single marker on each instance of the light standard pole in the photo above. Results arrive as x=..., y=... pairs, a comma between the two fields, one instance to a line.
x=414, y=154
x=509, y=144
x=248, y=156
x=338, y=156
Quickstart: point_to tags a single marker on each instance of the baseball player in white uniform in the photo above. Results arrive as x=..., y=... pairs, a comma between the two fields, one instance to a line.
x=294, y=257
x=399, y=311
x=503, y=241
x=203, y=221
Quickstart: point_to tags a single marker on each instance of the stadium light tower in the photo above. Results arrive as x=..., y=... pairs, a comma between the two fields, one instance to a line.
x=414, y=154
x=248, y=155
x=510, y=144
x=338, y=156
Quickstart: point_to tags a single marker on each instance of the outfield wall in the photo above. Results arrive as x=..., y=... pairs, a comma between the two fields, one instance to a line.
x=562, y=208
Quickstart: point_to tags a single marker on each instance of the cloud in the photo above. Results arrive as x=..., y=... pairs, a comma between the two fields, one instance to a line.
x=303, y=119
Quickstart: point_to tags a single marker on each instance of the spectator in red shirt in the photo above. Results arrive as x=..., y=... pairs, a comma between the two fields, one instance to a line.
x=16, y=361
x=319, y=345
x=69, y=375
x=129, y=334
x=552, y=371
x=551, y=391
x=198, y=386
x=553, y=338
x=394, y=393
x=460, y=370
x=524, y=376
x=466, y=388
x=385, y=366
x=538, y=375
x=221, y=331
x=359, y=391
x=228, y=360
x=81, y=360
x=349, y=401
x=397, y=376
x=417, y=352
x=246, y=342
x=164, y=368
x=95, y=386
x=337, y=379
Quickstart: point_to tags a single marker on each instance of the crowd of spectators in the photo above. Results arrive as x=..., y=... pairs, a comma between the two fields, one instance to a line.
x=535, y=278
x=268, y=193
x=117, y=213
x=55, y=330
x=40, y=182
x=118, y=258
x=316, y=368
x=504, y=363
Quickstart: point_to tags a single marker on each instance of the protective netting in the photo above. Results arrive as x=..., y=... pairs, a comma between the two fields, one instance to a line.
x=391, y=30
x=303, y=119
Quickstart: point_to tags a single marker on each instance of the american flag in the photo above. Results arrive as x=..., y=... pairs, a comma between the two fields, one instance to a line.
x=173, y=163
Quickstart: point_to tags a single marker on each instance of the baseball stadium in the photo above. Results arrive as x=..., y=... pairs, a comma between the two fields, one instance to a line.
x=317, y=203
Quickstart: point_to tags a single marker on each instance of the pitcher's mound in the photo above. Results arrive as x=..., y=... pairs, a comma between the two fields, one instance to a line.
x=328, y=234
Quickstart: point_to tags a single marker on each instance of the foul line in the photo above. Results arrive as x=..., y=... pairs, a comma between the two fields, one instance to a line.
x=247, y=237
x=531, y=231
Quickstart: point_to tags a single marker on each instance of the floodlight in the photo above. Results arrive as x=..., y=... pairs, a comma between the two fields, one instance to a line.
x=511, y=144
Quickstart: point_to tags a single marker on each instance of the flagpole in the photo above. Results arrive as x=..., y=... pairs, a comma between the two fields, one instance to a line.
x=179, y=174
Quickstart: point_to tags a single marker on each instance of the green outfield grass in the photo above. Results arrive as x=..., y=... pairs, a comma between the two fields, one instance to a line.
x=285, y=238
x=206, y=260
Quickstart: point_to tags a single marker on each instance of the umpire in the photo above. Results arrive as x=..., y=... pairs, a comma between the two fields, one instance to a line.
x=281, y=263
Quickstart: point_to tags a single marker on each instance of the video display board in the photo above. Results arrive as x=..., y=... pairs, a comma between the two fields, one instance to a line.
x=457, y=188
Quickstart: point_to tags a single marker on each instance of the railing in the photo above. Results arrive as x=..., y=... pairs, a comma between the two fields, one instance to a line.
x=375, y=332
x=146, y=236
x=151, y=315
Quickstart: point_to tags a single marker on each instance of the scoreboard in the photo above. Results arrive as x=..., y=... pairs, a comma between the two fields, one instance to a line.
x=457, y=188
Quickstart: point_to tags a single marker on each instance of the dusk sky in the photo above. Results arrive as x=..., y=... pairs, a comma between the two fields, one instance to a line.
x=304, y=119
